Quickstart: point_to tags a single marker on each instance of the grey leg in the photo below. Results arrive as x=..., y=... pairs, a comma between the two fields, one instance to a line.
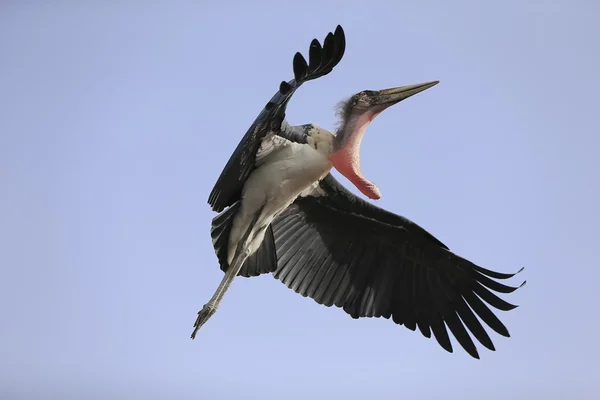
x=238, y=261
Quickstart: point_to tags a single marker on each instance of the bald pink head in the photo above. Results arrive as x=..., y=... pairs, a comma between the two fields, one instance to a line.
x=357, y=114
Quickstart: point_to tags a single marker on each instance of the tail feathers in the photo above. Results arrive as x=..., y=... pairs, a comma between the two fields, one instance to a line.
x=263, y=261
x=219, y=231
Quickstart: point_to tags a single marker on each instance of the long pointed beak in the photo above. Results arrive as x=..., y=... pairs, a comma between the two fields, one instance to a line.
x=388, y=97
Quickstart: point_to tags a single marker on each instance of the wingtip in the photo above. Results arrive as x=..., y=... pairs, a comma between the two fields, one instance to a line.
x=314, y=55
x=284, y=88
x=300, y=67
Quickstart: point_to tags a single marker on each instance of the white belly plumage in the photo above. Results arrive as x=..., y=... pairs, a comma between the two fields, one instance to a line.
x=280, y=178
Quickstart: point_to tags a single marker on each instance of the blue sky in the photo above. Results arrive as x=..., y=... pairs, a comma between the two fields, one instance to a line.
x=116, y=120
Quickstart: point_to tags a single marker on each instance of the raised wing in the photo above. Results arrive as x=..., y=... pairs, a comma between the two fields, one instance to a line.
x=322, y=59
x=341, y=250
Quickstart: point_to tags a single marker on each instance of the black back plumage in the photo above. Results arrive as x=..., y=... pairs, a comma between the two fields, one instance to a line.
x=322, y=60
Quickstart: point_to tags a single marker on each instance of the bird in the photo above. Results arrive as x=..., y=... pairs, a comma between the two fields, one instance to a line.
x=282, y=212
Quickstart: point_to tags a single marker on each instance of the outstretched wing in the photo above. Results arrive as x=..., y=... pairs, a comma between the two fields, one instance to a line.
x=322, y=59
x=341, y=250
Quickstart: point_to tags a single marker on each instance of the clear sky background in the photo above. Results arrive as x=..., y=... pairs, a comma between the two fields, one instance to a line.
x=116, y=120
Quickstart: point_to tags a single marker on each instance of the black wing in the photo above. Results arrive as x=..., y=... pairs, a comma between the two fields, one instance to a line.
x=322, y=59
x=341, y=250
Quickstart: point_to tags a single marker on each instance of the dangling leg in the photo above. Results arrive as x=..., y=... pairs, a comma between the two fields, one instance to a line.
x=241, y=254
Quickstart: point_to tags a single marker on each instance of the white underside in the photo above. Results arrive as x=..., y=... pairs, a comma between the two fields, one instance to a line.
x=285, y=170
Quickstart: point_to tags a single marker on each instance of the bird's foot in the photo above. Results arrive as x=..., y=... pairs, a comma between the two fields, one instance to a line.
x=203, y=315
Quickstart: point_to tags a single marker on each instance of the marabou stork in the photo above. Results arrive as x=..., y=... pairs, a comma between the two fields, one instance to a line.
x=282, y=212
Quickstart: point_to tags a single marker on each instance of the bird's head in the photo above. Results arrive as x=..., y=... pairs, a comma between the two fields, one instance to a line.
x=356, y=114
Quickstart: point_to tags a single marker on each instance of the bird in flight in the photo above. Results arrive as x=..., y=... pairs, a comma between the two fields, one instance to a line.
x=282, y=212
